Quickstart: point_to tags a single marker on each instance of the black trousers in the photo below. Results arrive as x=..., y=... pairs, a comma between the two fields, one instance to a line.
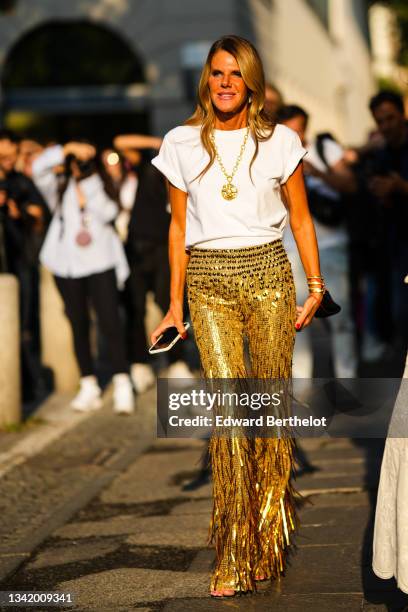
x=28, y=278
x=98, y=290
x=149, y=271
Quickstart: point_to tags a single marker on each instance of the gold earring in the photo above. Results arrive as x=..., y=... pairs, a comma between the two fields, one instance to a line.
x=249, y=99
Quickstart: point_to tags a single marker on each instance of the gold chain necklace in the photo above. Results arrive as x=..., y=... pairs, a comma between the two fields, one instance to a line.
x=229, y=191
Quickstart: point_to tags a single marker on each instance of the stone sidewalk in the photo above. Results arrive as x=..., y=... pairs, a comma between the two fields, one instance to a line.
x=100, y=512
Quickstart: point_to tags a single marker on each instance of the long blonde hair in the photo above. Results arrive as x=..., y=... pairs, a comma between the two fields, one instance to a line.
x=260, y=124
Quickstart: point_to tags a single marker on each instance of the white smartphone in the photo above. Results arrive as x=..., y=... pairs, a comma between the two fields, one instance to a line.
x=167, y=339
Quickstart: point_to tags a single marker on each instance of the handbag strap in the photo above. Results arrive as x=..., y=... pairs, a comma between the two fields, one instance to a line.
x=82, y=203
x=321, y=139
x=81, y=197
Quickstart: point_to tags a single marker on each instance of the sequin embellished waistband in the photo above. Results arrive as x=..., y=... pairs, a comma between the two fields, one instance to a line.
x=238, y=260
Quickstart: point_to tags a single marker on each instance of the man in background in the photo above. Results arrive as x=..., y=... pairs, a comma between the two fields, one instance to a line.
x=387, y=182
x=147, y=251
x=25, y=216
x=328, y=179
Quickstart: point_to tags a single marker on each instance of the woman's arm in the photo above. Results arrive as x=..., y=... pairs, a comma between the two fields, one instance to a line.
x=136, y=141
x=339, y=176
x=94, y=197
x=44, y=176
x=178, y=258
x=43, y=166
x=304, y=233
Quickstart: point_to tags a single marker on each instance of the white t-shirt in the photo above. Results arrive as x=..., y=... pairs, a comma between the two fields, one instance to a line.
x=128, y=190
x=257, y=215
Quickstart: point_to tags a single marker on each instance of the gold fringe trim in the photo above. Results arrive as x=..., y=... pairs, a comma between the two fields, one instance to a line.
x=254, y=510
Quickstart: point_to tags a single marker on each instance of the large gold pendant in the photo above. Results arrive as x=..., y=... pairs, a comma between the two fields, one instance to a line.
x=229, y=191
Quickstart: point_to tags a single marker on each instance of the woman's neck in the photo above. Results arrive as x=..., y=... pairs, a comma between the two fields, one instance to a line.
x=228, y=121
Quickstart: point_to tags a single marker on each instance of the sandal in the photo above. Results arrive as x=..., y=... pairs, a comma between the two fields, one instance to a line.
x=261, y=578
x=223, y=593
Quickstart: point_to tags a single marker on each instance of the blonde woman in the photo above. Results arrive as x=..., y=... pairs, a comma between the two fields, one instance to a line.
x=229, y=168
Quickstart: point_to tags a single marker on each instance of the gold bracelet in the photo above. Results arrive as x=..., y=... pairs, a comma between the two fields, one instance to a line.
x=316, y=290
x=311, y=295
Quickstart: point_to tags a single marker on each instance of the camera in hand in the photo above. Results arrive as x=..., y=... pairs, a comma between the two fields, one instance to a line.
x=86, y=167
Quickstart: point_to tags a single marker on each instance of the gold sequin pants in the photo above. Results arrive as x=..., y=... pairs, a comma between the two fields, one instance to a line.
x=234, y=293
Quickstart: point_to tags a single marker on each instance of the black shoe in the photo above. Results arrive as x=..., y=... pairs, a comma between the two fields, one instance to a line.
x=308, y=468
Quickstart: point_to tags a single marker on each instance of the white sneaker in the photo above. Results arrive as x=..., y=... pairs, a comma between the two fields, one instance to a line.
x=372, y=349
x=123, y=402
x=88, y=396
x=142, y=376
x=181, y=373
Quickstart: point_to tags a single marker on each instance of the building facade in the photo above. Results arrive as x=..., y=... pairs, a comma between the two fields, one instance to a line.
x=316, y=51
x=385, y=37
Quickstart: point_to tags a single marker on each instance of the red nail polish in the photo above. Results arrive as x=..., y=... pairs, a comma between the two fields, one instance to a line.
x=184, y=336
x=297, y=325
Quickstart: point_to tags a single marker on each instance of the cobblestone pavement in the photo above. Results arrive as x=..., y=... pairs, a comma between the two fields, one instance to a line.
x=101, y=513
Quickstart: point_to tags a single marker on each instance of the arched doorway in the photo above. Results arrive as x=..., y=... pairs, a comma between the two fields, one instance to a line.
x=74, y=79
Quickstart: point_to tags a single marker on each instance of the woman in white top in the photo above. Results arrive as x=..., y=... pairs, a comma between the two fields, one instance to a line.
x=390, y=541
x=227, y=168
x=88, y=262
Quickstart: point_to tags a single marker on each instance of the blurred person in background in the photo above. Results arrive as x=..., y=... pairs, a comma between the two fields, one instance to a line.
x=328, y=179
x=390, y=538
x=88, y=262
x=28, y=150
x=374, y=141
x=124, y=181
x=25, y=217
x=367, y=264
x=386, y=177
x=3, y=257
x=273, y=100
x=147, y=251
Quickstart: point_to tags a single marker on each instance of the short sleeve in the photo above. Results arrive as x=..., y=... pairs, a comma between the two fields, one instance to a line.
x=167, y=161
x=292, y=154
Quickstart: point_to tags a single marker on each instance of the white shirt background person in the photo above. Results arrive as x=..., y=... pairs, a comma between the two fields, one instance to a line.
x=60, y=253
x=333, y=245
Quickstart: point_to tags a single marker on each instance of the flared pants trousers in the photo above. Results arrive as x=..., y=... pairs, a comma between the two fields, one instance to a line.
x=237, y=297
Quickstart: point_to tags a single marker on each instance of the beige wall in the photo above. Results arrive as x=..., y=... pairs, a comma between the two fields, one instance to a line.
x=385, y=38
x=154, y=29
x=327, y=73
x=357, y=79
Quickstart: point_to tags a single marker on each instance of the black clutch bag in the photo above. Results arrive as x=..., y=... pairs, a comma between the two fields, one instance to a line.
x=328, y=307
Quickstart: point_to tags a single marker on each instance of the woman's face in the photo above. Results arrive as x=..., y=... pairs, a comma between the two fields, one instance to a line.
x=228, y=91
